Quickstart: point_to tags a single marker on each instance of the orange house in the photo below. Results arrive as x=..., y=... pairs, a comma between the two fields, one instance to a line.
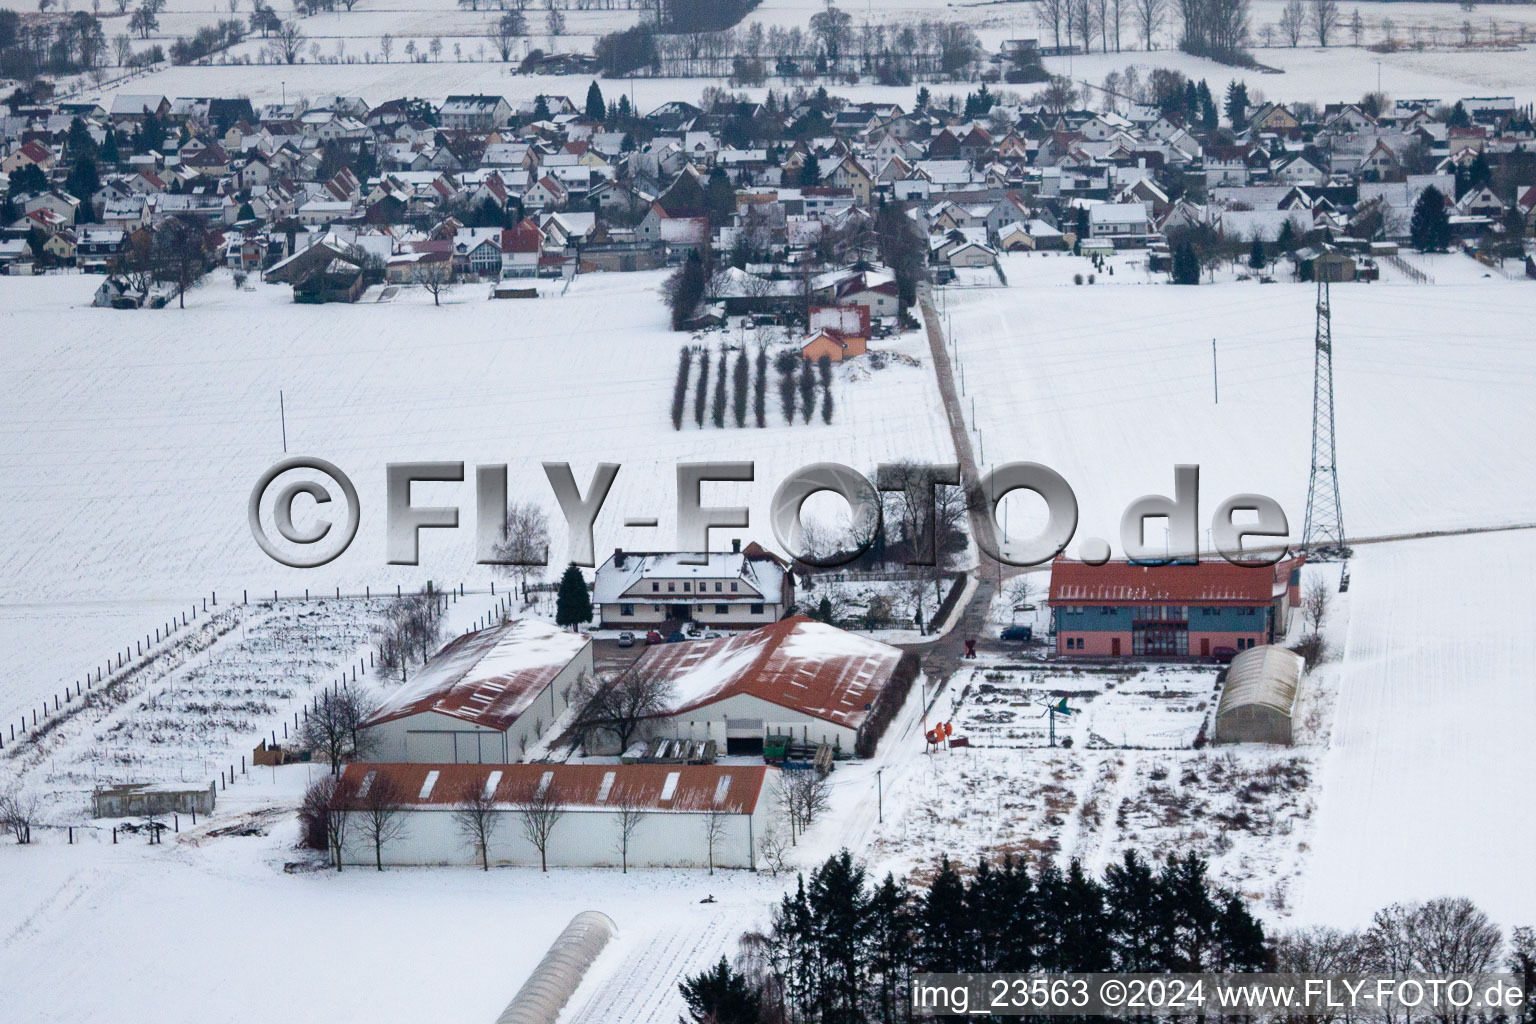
x=833, y=344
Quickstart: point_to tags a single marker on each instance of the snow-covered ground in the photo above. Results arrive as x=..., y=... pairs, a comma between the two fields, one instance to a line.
x=130, y=441
x=343, y=52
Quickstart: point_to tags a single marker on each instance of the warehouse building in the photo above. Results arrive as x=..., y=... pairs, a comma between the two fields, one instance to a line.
x=484, y=698
x=1180, y=610
x=798, y=678
x=1259, y=696
x=683, y=815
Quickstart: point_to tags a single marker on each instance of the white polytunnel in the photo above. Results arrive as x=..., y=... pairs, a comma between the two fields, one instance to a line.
x=1259, y=696
x=552, y=983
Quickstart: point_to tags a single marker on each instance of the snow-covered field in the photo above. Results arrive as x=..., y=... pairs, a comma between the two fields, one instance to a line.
x=1430, y=63
x=130, y=441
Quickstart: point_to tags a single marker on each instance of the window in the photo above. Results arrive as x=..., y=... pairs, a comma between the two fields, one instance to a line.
x=733, y=588
x=722, y=609
x=757, y=609
x=655, y=586
x=687, y=587
x=1207, y=611
x=626, y=609
x=718, y=588
x=671, y=587
x=1106, y=610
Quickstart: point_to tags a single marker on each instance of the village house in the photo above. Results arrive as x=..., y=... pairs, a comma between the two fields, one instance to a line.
x=736, y=588
x=1179, y=610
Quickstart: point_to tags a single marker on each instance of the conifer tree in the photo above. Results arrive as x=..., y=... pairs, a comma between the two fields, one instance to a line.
x=1430, y=227
x=573, y=604
x=700, y=395
x=760, y=389
x=680, y=388
x=739, y=389
x=807, y=390
x=717, y=408
x=597, y=110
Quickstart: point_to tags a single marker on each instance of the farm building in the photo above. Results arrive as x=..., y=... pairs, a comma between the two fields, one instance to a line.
x=484, y=697
x=1259, y=696
x=679, y=807
x=738, y=588
x=1182, y=609
x=799, y=677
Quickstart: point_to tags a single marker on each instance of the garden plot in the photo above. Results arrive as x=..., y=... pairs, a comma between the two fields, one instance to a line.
x=1003, y=704
x=207, y=701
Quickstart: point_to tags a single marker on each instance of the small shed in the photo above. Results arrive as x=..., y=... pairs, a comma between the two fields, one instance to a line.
x=1259, y=696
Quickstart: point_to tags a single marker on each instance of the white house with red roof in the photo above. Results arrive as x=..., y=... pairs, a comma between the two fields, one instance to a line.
x=678, y=815
x=798, y=677
x=484, y=698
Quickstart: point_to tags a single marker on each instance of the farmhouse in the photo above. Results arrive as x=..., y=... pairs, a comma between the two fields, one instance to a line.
x=1183, y=609
x=1259, y=696
x=484, y=697
x=748, y=587
x=798, y=677
x=679, y=806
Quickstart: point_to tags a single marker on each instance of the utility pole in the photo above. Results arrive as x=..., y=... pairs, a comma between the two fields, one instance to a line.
x=282, y=413
x=1215, y=387
x=879, y=796
x=1323, y=535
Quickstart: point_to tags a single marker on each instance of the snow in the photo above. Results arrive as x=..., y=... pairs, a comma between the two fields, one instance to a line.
x=130, y=441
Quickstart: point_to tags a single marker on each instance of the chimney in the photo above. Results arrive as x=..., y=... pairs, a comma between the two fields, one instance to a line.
x=618, y=558
x=735, y=545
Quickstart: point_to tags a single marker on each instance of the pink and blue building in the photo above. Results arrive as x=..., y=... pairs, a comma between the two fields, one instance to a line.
x=1199, y=609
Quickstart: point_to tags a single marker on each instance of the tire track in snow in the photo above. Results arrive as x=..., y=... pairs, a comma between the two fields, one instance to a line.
x=643, y=990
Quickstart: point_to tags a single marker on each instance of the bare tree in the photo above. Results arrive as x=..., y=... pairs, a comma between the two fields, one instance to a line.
x=178, y=255
x=716, y=825
x=1149, y=16
x=1052, y=15
x=386, y=46
x=622, y=705
x=538, y=813
x=1325, y=18
x=505, y=31
x=774, y=848
x=477, y=819
x=338, y=818
x=524, y=540
x=1314, y=604
x=803, y=796
x=1293, y=21
x=315, y=813
x=18, y=812
x=631, y=812
x=332, y=727
x=380, y=807
x=286, y=45
x=434, y=276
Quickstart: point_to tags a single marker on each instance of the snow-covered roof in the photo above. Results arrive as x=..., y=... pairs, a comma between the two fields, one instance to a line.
x=1208, y=582
x=807, y=666
x=1266, y=676
x=489, y=677
x=761, y=571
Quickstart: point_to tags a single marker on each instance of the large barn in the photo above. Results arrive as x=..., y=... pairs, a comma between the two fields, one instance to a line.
x=797, y=677
x=1182, y=609
x=680, y=809
x=484, y=698
x=1259, y=696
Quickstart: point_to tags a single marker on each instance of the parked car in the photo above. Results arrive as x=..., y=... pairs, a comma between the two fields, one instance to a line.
x=626, y=639
x=653, y=637
x=1222, y=655
x=676, y=636
x=1021, y=634
x=713, y=635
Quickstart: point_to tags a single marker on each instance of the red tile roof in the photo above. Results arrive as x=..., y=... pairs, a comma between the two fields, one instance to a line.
x=733, y=789
x=1210, y=582
x=800, y=664
x=488, y=677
